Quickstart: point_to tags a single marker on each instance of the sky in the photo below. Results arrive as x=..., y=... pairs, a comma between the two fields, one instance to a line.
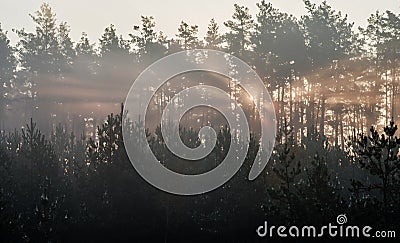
x=93, y=16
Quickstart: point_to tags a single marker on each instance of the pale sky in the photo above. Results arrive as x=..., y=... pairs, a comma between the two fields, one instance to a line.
x=92, y=16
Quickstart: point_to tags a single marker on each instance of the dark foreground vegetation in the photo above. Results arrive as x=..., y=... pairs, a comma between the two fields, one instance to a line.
x=63, y=188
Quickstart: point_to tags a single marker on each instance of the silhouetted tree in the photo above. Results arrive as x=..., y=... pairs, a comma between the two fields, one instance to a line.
x=187, y=35
x=39, y=51
x=213, y=38
x=8, y=65
x=240, y=28
x=149, y=48
x=379, y=154
x=86, y=60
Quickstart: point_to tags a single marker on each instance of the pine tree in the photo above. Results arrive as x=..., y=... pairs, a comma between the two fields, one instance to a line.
x=213, y=38
x=379, y=154
x=8, y=65
x=240, y=28
x=86, y=56
x=39, y=50
x=45, y=176
x=187, y=35
x=150, y=44
x=147, y=34
x=328, y=33
x=84, y=47
x=319, y=191
x=383, y=33
x=66, y=47
x=287, y=168
x=111, y=43
x=115, y=56
x=8, y=61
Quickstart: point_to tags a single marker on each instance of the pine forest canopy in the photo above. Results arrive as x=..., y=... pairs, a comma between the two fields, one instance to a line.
x=65, y=174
